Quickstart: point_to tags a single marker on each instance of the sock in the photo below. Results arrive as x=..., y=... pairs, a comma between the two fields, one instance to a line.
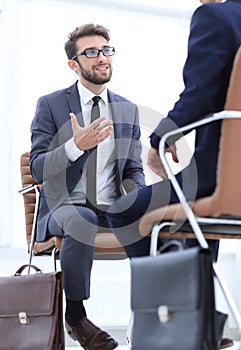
x=75, y=310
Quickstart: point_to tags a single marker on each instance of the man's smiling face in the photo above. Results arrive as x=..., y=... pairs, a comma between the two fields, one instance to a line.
x=96, y=70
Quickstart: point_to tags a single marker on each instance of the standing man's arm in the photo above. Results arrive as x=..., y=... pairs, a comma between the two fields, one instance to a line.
x=203, y=73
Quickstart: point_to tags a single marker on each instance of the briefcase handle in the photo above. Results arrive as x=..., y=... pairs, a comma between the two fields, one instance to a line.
x=171, y=245
x=23, y=267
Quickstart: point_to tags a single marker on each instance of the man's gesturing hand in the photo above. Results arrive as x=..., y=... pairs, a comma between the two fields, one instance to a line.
x=92, y=134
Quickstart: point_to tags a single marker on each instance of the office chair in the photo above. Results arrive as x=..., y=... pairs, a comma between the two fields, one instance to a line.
x=218, y=215
x=107, y=247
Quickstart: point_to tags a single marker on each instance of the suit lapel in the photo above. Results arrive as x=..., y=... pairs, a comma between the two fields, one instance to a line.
x=73, y=98
x=115, y=106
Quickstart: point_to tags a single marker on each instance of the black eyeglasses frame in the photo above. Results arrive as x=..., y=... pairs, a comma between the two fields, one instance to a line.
x=85, y=53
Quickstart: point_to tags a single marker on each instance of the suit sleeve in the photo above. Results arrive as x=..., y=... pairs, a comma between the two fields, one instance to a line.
x=203, y=73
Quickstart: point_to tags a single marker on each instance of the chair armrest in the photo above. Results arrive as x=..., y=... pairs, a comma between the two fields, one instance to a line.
x=28, y=188
x=186, y=206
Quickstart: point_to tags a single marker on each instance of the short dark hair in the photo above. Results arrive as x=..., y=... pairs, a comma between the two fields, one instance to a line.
x=80, y=32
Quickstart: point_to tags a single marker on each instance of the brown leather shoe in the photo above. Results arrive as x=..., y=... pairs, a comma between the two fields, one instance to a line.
x=225, y=343
x=91, y=337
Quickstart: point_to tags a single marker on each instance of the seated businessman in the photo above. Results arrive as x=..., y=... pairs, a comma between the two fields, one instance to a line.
x=86, y=151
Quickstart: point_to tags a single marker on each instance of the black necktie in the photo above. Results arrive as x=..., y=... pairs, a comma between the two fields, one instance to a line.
x=92, y=161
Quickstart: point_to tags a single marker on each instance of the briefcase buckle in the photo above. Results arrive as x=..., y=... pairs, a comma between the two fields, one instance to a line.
x=23, y=318
x=164, y=314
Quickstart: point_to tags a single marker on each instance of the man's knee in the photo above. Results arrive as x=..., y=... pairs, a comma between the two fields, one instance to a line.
x=78, y=222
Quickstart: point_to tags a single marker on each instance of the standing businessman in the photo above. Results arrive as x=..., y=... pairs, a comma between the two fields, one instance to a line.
x=215, y=36
x=86, y=151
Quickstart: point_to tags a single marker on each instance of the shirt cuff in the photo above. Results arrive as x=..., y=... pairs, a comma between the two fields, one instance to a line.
x=72, y=151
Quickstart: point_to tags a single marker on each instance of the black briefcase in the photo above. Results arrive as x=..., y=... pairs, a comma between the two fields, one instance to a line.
x=173, y=302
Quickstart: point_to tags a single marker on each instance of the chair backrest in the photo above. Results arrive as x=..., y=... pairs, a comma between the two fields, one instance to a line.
x=30, y=197
x=227, y=196
x=107, y=247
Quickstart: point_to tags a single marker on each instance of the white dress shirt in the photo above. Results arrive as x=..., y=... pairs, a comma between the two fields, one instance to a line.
x=106, y=186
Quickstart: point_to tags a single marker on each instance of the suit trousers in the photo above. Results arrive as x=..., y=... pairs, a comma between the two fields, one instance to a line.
x=124, y=214
x=78, y=226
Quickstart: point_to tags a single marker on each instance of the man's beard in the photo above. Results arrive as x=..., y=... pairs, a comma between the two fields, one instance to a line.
x=93, y=78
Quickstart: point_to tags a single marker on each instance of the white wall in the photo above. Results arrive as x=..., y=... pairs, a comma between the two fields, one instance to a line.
x=150, y=51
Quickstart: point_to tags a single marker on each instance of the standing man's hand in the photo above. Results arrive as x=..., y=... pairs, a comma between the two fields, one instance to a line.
x=155, y=163
x=91, y=135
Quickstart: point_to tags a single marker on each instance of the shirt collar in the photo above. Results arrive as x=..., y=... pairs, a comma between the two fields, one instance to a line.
x=86, y=95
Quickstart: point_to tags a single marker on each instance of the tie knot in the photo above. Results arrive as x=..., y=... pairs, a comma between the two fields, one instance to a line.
x=96, y=99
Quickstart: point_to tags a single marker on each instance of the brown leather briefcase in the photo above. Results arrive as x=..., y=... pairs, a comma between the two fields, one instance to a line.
x=31, y=311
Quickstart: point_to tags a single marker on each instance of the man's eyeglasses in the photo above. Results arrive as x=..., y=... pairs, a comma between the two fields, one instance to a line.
x=93, y=53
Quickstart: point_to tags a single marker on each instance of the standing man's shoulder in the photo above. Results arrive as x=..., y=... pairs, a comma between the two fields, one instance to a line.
x=217, y=22
x=215, y=10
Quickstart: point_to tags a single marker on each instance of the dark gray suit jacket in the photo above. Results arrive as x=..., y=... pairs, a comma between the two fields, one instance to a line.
x=51, y=128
